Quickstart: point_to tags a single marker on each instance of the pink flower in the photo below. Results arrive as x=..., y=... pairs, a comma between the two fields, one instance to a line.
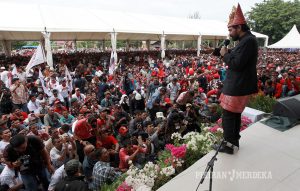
x=214, y=128
x=124, y=187
x=169, y=147
x=167, y=160
x=179, y=152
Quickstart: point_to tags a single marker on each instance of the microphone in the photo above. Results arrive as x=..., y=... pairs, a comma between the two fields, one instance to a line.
x=225, y=43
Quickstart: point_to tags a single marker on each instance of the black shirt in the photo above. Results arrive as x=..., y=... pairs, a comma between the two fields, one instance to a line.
x=241, y=76
x=34, y=151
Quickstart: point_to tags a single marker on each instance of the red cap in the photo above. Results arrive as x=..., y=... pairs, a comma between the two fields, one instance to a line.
x=236, y=17
x=216, y=76
x=123, y=130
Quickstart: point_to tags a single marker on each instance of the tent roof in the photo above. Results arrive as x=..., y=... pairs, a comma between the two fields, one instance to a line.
x=291, y=40
x=79, y=23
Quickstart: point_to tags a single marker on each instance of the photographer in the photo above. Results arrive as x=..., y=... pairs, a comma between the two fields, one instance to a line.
x=28, y=154
x=19, y=94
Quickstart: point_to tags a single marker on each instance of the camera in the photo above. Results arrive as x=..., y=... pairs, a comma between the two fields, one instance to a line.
x=25, y=161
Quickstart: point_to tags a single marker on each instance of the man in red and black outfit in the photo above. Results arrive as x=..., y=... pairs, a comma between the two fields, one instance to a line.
x=85, y=130
x=241, y=78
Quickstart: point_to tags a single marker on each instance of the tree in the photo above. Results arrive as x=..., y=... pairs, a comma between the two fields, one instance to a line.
x=274, y=18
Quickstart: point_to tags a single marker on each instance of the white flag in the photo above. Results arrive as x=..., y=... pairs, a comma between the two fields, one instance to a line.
x=37, y=58
x=14, y=72
x=48, y=48
x=69, y=77
x=41, y=77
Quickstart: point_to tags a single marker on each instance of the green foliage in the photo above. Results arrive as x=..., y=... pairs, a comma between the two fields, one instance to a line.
x=114, y=185
x=274, y=18
x=160, y=181
x=262, y=103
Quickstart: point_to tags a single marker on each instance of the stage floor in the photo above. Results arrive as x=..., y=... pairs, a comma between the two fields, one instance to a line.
x=268, y=160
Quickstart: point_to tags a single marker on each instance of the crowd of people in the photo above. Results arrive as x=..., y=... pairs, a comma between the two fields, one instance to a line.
x=78, y=127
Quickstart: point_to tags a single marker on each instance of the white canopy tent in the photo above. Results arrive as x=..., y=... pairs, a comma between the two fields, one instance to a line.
x=291, y=40
x=79, y=23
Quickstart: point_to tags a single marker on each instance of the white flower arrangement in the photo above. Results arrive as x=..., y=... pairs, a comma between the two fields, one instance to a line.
x=176, y=136
x=168, y=171
x=220, y=130
x=142, y=179
x=196, y=141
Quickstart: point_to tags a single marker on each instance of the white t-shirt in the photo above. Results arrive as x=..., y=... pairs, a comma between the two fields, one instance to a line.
x=4, y=78
x=8, y=177
x=33, y=106
x=58, y=175
x=55, y=154
x=2, y=146
x=64, y=91
x=80, y=99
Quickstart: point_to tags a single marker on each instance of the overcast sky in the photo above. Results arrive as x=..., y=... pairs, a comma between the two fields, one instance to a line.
x=208, y=9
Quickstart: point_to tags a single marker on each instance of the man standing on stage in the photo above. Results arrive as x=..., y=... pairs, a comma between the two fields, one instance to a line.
x=241, y=78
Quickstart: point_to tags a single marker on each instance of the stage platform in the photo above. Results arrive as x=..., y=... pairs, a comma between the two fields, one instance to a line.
x=268, y=160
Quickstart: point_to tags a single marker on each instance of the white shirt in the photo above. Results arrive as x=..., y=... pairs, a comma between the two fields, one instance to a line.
x=98, y=73
x=22, y=76
x=64, y=91
x=8, y=177
x=2, y=146
x=58, y=175
x=55, y=154
x=33, y=106
x=174, y=89
x=80, y=99
x=4, y=78
x=52, y=98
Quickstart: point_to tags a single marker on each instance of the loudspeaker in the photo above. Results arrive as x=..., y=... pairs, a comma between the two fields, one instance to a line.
x=288, y=107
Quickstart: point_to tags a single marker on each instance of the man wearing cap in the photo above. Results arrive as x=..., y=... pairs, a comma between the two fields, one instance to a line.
x=241, y=78
x=106, y=101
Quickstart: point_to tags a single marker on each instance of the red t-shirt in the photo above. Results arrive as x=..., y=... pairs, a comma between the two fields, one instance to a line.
x=107, y=143
x=83, y=129
x=123, y=155
x=101, y=123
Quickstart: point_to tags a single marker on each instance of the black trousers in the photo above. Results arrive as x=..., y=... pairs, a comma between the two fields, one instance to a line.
x=231, y=123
